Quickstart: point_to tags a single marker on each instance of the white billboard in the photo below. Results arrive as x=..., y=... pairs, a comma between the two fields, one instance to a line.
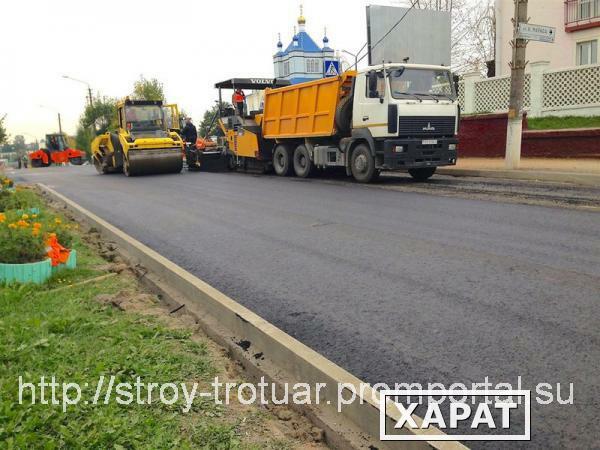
x=423, y=35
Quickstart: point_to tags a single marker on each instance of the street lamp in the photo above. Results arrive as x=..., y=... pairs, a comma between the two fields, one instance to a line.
x=59, y=122
x=67, y=77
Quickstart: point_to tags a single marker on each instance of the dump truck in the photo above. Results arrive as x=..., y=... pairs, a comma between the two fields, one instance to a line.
x=388, y=117
x=146, y=141
x=56, y=150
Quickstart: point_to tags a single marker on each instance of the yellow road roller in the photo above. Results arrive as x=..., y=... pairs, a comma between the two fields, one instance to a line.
x=144, y=142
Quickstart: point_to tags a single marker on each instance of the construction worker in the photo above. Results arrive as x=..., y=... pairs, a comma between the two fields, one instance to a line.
x=54, y=143
x=189, y=133
x=238, y=100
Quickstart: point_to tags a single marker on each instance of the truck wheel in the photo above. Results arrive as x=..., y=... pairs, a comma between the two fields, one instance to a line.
x=282, y=161
x=343, y=116
x=422, y=174
x=77, y=161
x=36, y=163
x=362, y=164
x=303, y=166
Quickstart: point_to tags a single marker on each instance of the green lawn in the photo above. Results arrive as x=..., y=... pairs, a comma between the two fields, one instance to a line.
x=62, y=329
x=72, y=336
x=556, y=123
x=76, y=339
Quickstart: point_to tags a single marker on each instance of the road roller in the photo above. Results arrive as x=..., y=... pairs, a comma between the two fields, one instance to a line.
x=56, y=150
x=143, y=144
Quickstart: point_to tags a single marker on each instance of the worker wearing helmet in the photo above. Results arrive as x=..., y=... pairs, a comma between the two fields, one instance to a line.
x=238, y=100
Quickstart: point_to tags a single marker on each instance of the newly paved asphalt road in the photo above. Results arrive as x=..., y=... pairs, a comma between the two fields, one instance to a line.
x=395, y=286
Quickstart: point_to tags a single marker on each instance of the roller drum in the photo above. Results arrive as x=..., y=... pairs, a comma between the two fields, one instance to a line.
x=155, y=161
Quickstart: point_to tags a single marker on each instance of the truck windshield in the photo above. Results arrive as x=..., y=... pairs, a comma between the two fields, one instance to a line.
x=144, y=118
x=405, y=82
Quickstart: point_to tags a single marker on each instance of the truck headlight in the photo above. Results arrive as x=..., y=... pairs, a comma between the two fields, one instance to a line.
x=451, y=146
x=399, y=149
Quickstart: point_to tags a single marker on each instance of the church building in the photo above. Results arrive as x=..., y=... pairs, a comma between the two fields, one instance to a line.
x=302, y=60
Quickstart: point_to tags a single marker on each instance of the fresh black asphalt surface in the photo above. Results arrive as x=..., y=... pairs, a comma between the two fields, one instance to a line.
x=394, y=286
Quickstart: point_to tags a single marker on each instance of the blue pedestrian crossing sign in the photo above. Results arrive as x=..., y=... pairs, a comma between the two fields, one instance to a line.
x=331, y=68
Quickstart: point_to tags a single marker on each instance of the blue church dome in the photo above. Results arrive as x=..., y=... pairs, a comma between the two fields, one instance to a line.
x=279, y=47
x=326, y=42
x=302, y=42
x=303, y=59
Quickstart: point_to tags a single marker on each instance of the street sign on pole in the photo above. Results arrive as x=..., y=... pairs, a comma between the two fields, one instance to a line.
x=540, y=33
x=331, y=68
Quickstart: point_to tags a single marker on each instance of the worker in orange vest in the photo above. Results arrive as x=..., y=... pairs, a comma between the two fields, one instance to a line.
x=238, y=99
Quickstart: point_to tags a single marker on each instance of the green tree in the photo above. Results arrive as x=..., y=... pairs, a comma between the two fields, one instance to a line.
x=3, y=133
x=145, y=89
x=209, y=125
x=102, y=115
x=83, y=139
x=19, y=142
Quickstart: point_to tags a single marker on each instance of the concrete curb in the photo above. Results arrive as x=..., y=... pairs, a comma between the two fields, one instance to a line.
x=586, y=179
x=263, y=349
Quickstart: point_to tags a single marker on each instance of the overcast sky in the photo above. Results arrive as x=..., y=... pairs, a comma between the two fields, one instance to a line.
x=188, y=45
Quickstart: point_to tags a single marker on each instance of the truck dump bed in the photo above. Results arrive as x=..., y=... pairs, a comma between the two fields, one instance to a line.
x=305, y=109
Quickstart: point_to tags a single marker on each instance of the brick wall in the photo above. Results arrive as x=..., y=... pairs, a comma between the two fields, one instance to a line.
x=485, y=136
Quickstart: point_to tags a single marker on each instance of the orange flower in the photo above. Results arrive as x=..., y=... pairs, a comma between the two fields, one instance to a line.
x=56, y=252
x=24, y=217
x=35, y=232
x=21, y=223
x=2, y=217
x=37, y=225
x=12, y=225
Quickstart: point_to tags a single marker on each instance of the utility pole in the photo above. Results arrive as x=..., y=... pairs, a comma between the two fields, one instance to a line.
x=514, y=132
x=90, y=96
x=59, y=124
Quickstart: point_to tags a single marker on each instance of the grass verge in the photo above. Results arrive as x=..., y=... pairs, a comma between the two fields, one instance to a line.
x=558, y=123
x=113, y=328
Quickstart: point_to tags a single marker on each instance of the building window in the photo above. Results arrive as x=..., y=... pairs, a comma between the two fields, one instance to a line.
x=286, y=68
x=587, y=53
x=584, y=10
x=313, y=65
x=588, y=9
